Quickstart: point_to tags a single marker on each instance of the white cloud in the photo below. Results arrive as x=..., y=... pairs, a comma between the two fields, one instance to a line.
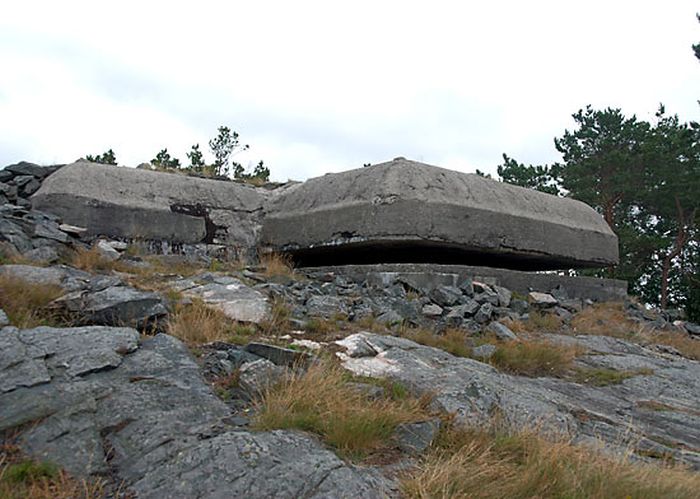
x=316, y=87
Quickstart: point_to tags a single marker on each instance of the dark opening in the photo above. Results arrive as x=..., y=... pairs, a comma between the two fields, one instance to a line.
x=377, y=252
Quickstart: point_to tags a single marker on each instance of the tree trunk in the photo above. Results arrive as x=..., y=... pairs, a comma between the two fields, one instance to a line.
x=664, y=278
x=609, y=210
x=678, y=245
x=609, y=217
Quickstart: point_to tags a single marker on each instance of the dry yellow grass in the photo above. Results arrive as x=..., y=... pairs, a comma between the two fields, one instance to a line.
x=369, y=323
x=453, y=341
x=277, y=264
x=10, y=256
x=319, y=326
x=537, y=322
x=91, y=260
x=278, y=321
x=496, y=463
x=686, y=345
x=21, y=478
x=27, y=304
x=321, y=401
x=610, y=319
x=198, y=323
x=535, y=357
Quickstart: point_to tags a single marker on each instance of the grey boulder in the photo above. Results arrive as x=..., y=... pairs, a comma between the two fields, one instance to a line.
x=415, y=438
x=238, y=301
x=501, y=331
x=622, y=415
x=117, y=305
x=142, y=414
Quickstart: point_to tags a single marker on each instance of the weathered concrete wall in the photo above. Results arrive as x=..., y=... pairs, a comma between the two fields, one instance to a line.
x=431, y=275
x=132, y=203
x=438, y=215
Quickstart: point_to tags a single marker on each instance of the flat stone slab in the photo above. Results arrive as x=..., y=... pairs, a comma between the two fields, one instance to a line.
x=408, y=211
x=238, y=301
x=141, y=413
x=620, y=414
x=141, y=204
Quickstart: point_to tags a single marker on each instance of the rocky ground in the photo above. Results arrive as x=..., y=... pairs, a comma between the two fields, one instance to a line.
x=148, y=373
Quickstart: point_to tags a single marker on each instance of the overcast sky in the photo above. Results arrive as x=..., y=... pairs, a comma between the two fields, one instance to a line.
x=324, y=86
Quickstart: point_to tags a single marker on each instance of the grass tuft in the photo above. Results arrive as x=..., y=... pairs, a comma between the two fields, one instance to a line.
x=537, y=322
x=497, y=463
x=22, y=478
x=610, y=319
x=369, y=323
x=453, y=341
x=278, y=321
x=682, y=342
x=29, y=471
x=197, y=323
x=27, y=304
x=91, y=260
x=277, y=264
x=321, y=401
x=319, y=326
x=534, y=358
x=602, y=376
x=606, y=319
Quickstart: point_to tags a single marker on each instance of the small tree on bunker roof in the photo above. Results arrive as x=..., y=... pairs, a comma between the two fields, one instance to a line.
x=261, y=172
x=223, y=147
x=106, y=158
x=164, y=160
x=196, y=158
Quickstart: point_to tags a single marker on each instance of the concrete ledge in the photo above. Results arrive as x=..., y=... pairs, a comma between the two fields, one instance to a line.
x=431, y=275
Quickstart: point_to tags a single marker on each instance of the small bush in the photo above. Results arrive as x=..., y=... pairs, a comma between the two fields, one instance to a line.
x=534, y=358
x=27, y=304
x=321, y=401
x=498, y=463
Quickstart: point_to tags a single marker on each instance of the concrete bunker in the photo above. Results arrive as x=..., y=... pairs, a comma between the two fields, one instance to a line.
x=131, y=203
x=403, y=211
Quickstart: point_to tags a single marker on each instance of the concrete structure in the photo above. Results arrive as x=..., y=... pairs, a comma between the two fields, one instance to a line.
x=429, y=276
x=396, y=212
x=142, y=204
x=404, y=211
